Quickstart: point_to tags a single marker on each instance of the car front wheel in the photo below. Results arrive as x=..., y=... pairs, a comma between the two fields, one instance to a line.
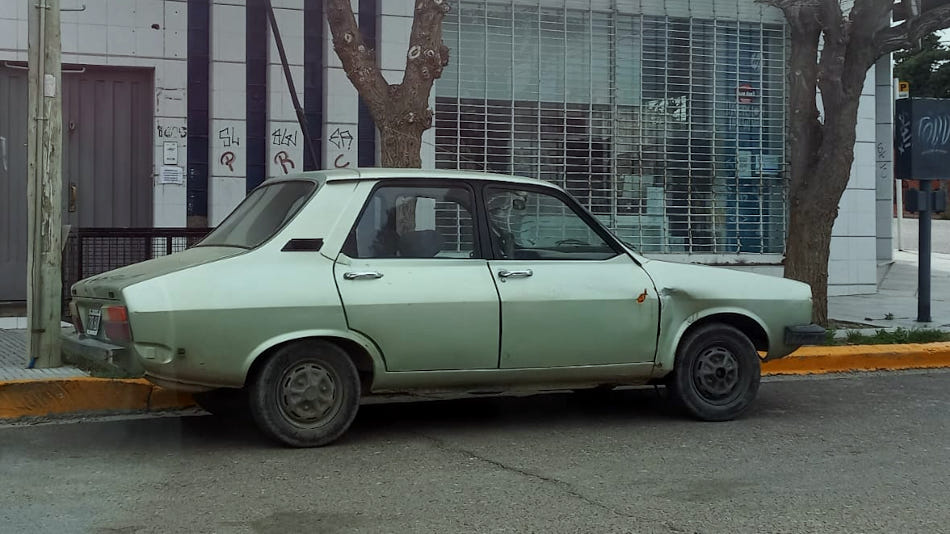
x=306, y=394
x=717, y=373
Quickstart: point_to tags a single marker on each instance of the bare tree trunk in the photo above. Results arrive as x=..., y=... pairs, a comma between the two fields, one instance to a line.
x=814, y=194
x=822, y=151
x=399, y=147
x=401, y=111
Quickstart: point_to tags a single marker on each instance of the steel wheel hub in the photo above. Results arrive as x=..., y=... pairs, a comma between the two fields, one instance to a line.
x=716, y=373
x=308, y=394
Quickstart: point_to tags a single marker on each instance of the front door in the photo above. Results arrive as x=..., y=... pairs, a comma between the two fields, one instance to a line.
x=569, y=295
x=412, y=278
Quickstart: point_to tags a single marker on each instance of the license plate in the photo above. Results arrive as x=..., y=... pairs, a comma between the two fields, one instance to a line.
x=92, y=321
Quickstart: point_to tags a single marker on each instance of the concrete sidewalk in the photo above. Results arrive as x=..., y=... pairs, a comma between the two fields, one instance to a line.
x=14, y=361
x=895, y=303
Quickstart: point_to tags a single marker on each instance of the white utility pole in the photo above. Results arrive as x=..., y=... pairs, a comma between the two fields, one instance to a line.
x=44, y=190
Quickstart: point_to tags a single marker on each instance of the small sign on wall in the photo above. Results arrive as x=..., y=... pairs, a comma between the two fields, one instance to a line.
x=170, y=153
x=172, y=175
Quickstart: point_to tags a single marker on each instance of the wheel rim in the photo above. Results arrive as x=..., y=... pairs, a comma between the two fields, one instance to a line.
x=309, y=394
x=716, y=374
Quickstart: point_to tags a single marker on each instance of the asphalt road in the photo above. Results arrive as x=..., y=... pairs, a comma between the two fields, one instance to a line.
x=864, y=453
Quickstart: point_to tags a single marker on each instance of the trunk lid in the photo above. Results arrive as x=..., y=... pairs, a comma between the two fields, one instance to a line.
x=108, y=285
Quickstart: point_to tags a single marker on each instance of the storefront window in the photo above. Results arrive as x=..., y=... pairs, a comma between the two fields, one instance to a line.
x=671, y=130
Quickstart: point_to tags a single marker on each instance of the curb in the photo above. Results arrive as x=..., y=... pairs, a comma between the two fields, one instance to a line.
x=820, y=360
x=78, y=396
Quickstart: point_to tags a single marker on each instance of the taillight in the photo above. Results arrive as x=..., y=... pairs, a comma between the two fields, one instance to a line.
x=115, y=323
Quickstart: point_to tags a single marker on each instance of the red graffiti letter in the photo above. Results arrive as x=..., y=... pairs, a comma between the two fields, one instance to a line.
x=228, y=159
x=283, y=159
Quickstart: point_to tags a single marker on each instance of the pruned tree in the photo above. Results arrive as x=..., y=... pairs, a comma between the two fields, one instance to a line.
x=401, y=110
x=833, y=44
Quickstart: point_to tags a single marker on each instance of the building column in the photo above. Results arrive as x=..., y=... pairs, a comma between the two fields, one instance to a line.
x=884, y=100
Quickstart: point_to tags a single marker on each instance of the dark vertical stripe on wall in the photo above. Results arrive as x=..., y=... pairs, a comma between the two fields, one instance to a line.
x=256, y=64
x=366, y=128
x=199, y=67
x=313, y=35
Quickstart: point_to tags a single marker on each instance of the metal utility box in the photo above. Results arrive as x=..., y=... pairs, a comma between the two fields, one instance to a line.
x=922, y=139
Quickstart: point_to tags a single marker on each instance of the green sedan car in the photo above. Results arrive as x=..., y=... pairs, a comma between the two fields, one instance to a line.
x=325, y=287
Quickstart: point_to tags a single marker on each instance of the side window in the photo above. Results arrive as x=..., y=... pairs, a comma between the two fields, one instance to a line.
x=415, y=222
x=527, y=225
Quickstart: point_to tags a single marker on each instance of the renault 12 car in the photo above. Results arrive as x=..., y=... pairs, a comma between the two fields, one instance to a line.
x=325, y=287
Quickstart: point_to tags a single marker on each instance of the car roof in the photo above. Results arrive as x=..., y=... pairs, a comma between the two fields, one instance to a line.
x=379, y=173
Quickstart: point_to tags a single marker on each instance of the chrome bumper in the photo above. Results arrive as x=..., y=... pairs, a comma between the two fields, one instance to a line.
x=80, y=348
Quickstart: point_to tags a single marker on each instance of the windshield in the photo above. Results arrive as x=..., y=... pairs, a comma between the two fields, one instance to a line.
x=262, y=213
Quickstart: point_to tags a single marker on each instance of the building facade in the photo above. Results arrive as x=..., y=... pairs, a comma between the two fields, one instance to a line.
x=666, y=118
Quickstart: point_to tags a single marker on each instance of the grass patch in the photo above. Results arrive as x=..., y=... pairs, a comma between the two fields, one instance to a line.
x=897, y=336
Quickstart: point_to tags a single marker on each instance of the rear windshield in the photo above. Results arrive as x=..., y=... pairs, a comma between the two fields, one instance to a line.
x=265, y=211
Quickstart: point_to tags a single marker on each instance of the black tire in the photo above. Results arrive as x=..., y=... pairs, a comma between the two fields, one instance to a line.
x=324, y=404
x=223, y=402
x=717, y=372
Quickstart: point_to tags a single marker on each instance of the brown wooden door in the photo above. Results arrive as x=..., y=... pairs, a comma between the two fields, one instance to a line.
x=107, y=158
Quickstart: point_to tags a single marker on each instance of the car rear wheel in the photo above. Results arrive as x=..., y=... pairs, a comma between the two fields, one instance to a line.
x=717, y=373
x=306, y=394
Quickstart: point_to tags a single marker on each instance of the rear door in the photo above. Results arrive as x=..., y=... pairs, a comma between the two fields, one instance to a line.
x=414, y=279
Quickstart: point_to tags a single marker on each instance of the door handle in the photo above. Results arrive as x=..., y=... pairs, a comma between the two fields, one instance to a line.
x=72, y=197
x=504, y=273
x=367, y=275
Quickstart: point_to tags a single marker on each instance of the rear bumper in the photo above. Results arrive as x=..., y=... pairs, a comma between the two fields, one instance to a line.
x=80, y=348
x=806, y=334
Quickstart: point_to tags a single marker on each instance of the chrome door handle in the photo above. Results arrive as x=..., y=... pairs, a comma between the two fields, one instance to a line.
x=366, y=275
x=504, y=273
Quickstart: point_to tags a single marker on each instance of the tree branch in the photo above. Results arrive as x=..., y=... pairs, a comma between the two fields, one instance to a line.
x=426, y=57
x=835, y=29
x=906, y=34
x=359, y=60
x=867, y=17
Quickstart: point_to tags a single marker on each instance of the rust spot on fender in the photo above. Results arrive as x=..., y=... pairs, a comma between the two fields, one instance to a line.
x=642, y=297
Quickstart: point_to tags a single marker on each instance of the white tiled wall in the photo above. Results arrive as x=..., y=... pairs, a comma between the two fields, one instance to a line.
x=129, y=33
x=341, y=106
x=852, y=266
x=228, y=132
x=285, y=142
x=884, y=169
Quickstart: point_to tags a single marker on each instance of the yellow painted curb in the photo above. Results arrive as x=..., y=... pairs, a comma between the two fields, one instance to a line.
x=37, y=398
x=817, y=360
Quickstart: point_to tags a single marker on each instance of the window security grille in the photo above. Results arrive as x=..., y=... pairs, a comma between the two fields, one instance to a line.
x=670, y=130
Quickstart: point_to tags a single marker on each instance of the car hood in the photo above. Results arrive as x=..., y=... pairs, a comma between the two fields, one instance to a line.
x=705, y=283
x=109, y=284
